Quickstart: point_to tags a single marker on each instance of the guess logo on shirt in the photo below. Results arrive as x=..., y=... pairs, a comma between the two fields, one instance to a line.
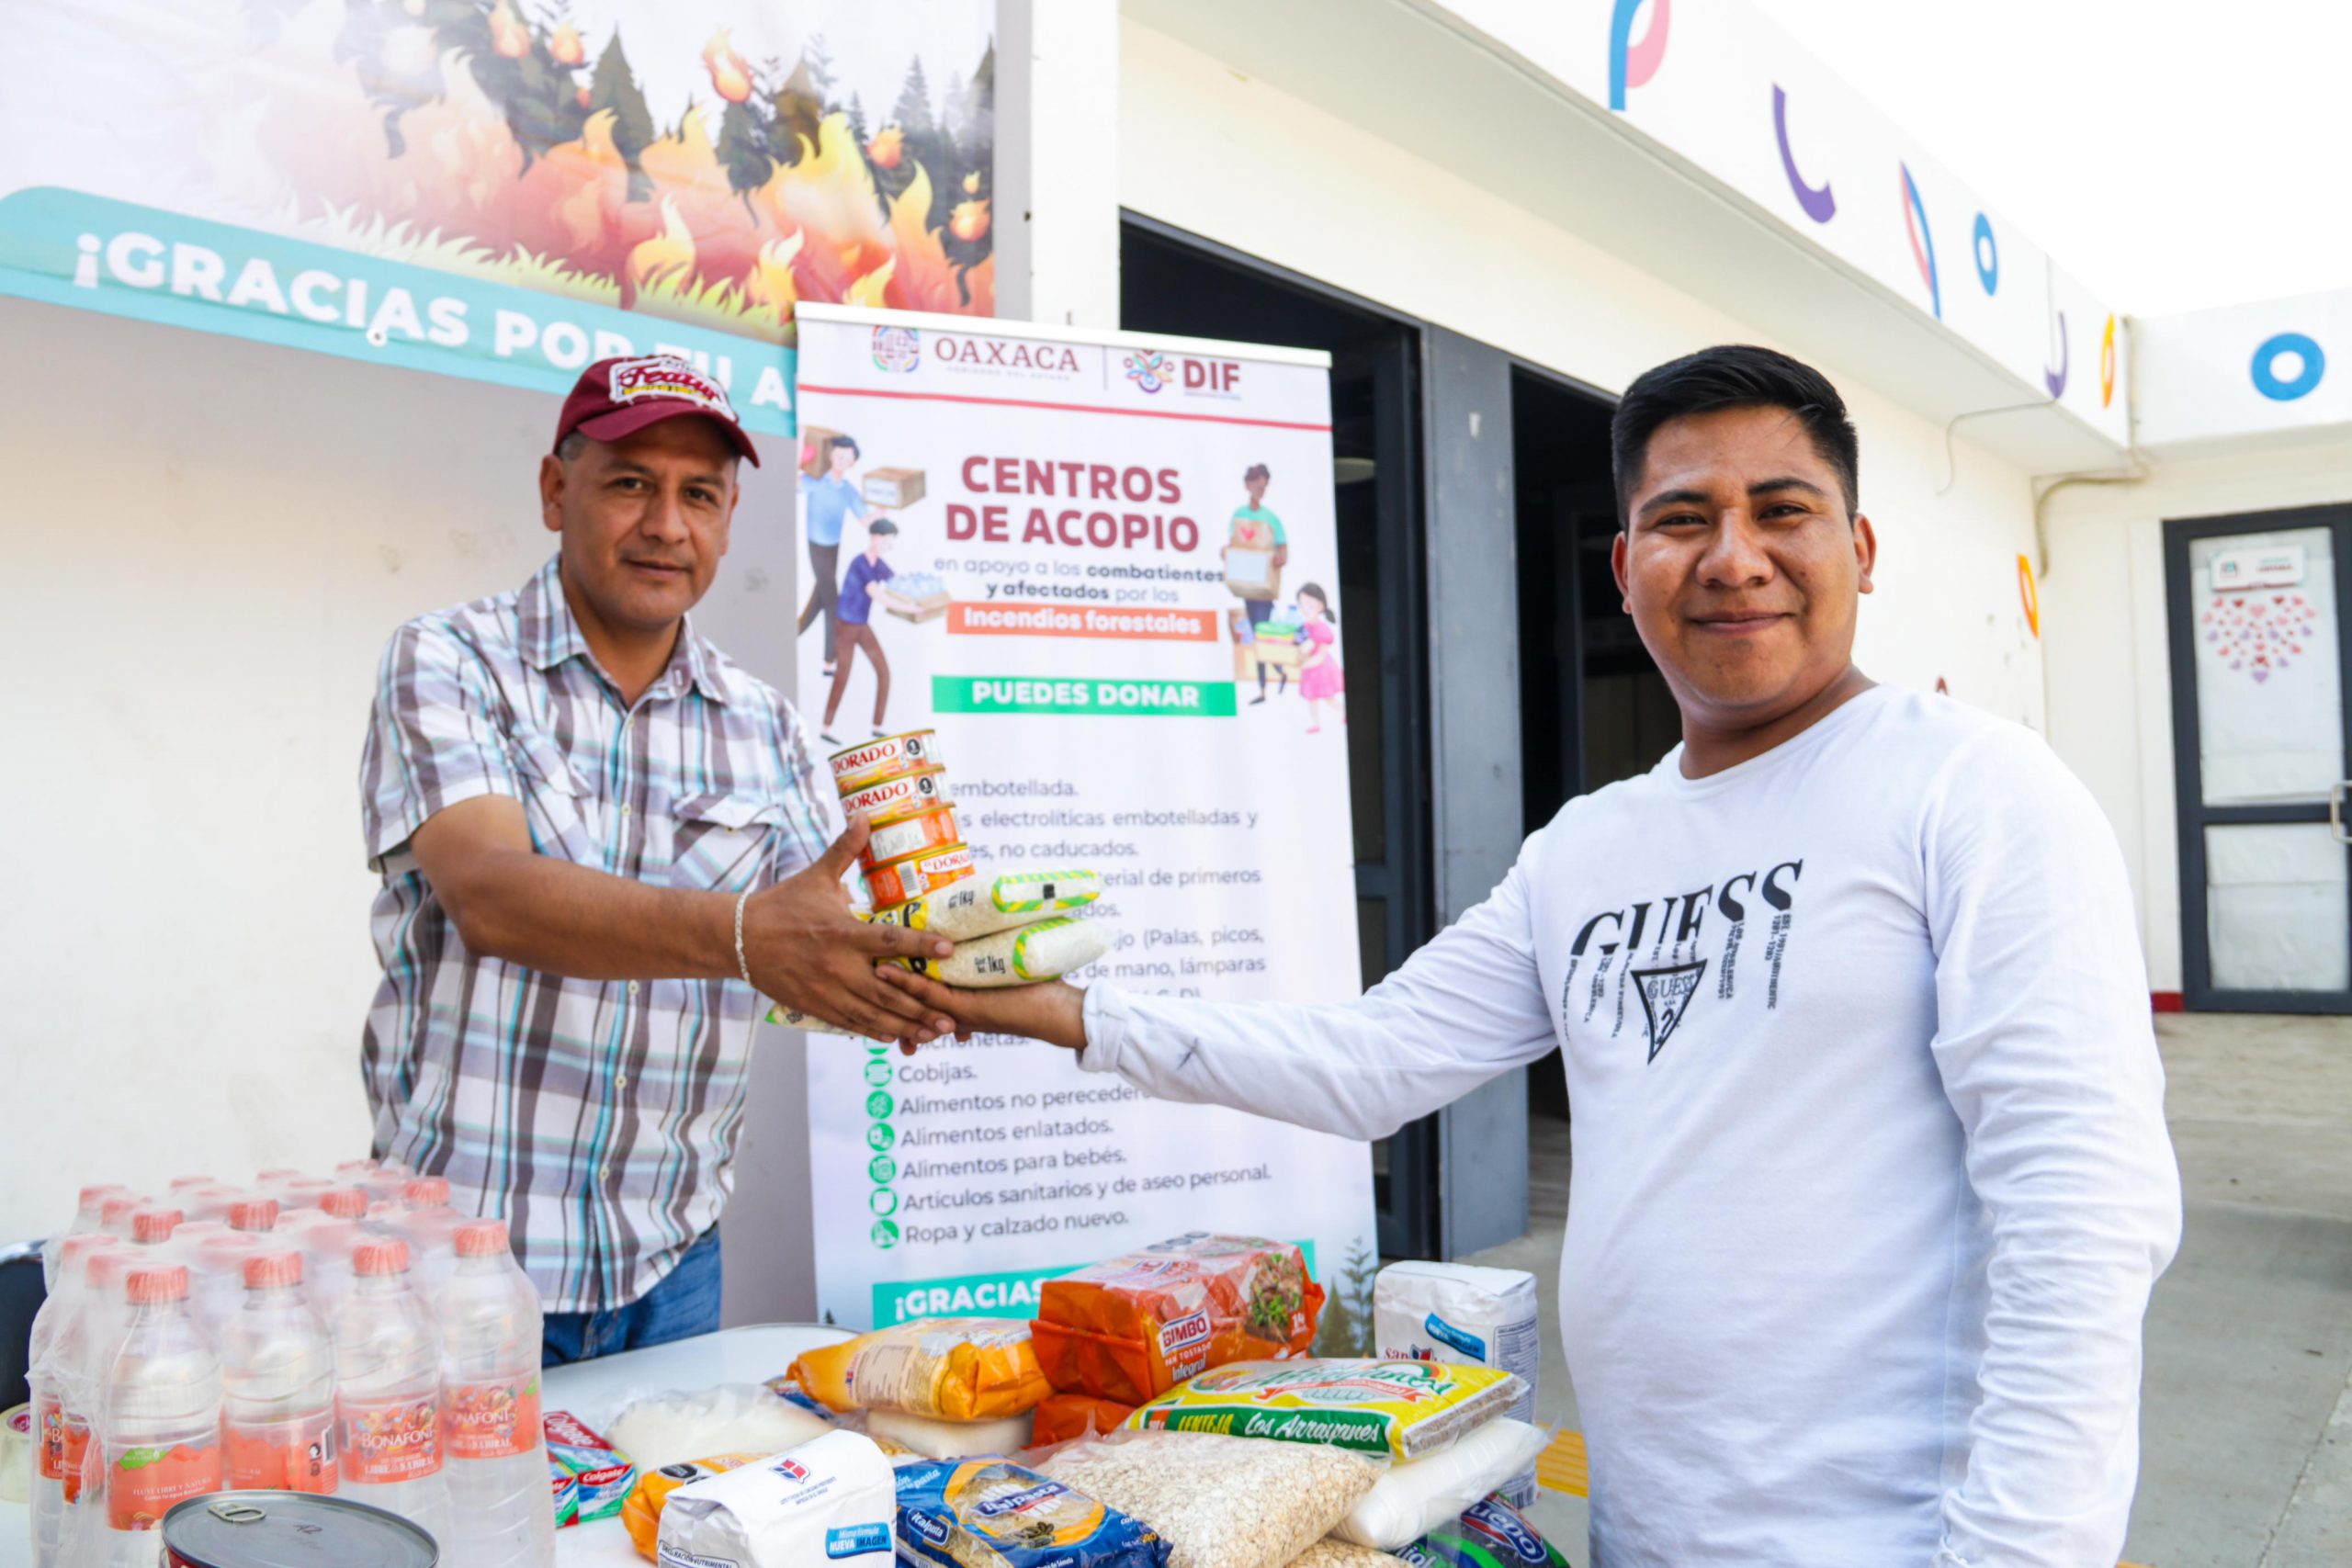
x=1667, y=978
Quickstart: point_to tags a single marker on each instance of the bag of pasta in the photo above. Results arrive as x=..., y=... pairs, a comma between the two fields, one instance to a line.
x=1132, y=1327
x=949, y=1369
x=991, y=1513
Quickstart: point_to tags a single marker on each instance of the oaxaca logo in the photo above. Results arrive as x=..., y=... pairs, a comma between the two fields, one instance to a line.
x=1150, y=371
x=661, y=375
x=897, y=349
x=1006, y=353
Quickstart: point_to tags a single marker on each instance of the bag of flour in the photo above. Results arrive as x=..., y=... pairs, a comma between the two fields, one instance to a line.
x=1461, y=1314
x=832, y=1501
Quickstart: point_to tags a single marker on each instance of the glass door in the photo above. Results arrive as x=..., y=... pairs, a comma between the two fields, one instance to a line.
x=2260, y=666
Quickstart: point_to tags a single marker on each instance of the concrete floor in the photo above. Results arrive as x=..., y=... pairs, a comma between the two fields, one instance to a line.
x=2246, y=1418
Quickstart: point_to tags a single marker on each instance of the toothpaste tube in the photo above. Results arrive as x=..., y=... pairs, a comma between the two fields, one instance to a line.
x=567, y=1492
x=603, y=1473
x=901, y=797
x=932, y=827
x=855, y=767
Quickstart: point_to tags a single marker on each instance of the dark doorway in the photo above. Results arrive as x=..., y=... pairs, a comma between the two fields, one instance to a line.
x=1177, y=283
x=1593, y=708
x=2262, y=746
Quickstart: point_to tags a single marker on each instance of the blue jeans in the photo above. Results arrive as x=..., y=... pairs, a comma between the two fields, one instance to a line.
x=685, y=1304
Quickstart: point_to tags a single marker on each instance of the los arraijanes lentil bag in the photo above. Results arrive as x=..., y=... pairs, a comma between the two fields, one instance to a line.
x=1404, y=1409
x=1134, y=1327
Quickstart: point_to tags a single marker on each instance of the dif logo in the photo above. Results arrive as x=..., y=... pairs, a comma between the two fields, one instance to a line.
x=791, y=1469
x=1151, y=371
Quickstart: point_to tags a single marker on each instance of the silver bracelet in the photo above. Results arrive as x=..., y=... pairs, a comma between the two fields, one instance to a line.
x=740, y=962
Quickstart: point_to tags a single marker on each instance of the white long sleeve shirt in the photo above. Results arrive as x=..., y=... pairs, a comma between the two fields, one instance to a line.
x=1872, y=1172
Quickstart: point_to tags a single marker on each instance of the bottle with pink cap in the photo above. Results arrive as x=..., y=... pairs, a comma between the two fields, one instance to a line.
x=82, y=1354
x=278, y=1382
x=61, y=1407
x=497, y=1458
x=388, y=1388
x=423, y=1217
x=161, y=1423
x=89, y=1216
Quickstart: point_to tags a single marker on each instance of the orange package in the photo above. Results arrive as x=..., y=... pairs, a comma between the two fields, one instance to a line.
x=1134, y=1327
x=1064, y=1416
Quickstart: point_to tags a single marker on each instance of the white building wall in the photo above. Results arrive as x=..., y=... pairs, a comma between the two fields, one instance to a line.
x=1236, y=161
x=2103, y=618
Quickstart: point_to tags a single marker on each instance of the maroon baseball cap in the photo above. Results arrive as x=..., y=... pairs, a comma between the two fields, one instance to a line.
x=618, y=397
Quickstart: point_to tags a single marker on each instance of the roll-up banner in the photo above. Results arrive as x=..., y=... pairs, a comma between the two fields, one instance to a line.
x=1107, y=571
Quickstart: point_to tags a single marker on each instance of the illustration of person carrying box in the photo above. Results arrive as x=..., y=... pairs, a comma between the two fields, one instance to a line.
x=832, y=501
x=1257, y=529
x=865, y=587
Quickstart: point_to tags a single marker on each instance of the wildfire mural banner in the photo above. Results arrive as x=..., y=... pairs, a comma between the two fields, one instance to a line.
x=502, y=189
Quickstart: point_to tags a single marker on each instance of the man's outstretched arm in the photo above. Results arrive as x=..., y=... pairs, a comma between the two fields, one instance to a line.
x=1466, y=1007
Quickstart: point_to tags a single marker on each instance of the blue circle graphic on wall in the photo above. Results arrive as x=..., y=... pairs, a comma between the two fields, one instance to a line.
x=2286, y=389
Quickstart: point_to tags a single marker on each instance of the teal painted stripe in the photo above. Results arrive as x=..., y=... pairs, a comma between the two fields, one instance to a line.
x=64, y=247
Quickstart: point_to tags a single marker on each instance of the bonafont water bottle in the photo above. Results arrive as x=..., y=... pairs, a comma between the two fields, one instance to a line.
x=278, y=1383
x=61, y=1424
x=496, y=1448
x=161, y=1425
x=388, y=1389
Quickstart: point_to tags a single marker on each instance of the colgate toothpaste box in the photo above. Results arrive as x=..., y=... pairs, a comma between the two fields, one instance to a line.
x=566, y=1486
x=602, y=1472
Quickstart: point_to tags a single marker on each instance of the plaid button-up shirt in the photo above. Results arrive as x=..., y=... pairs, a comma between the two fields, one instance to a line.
x=598, y=1118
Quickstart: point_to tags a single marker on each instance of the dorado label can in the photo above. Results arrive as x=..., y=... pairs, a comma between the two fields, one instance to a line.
x=290, y=1529
x=899, y=797
x=893, y=885
x=932, y=827
x=855, y=767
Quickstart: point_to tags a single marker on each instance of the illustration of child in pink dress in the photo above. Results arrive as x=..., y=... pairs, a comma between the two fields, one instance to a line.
x=1320, y=679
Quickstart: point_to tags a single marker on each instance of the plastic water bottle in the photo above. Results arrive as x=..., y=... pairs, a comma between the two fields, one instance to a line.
x=115, y=1212
x=278, y=1383
x=256, y=1214
x=153, y=1224
x=388, y=1389
x=216, y=1276
x=423, y=1218
x=497, y=1462
x=89, y=1217
x=82, y=1355
x=161, y=1421
x=60, y=1418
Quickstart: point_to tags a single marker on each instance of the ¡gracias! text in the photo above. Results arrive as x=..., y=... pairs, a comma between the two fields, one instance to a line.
x=1081, y=526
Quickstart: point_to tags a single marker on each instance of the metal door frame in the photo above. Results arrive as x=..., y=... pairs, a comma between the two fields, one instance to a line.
x=2192, y=814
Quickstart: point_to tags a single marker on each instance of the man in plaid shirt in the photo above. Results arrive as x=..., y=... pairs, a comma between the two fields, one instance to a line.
x=601, y=844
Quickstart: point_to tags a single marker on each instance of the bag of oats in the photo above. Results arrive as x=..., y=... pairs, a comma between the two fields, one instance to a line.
x=1219, y=1501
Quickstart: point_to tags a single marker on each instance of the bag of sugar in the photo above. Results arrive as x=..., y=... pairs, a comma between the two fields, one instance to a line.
x=1461, y=1314
x=832, y=1501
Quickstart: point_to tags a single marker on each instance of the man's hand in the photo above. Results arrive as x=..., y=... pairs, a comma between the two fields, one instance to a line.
x=806, y=951
x=1054, y=1012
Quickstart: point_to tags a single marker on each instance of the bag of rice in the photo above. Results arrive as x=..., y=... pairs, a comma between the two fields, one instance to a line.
x=1218, y=1502
x=1333, y=1552
x=1404, y=1408
x=1490, y=1534
x=978, y=908
x=933, y=1438
x=991, y=1513
x=674, y=1428
x=954, y=1368
x=643, y=1512
x=1134, y=1327
x=1025, y=957
x=1066, y=1416
x=1423, y=1494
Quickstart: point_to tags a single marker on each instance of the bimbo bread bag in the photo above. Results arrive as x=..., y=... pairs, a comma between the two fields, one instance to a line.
x=1134, y=1327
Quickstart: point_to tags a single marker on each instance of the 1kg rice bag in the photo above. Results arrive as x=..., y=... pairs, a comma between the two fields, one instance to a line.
x=1490, y=1534
x=1402, y=1408
x=1219, y=1501
x=991, y=1513
x=1429, y=1493
x=1134, y=1327
x=951, y=1369
x=1066, y=1416
x=978, y=908
x=643, y=1512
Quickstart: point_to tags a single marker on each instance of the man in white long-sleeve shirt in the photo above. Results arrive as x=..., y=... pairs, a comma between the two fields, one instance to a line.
x=1871, y=1173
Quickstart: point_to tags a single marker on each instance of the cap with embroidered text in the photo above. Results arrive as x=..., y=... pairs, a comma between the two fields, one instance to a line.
x=618, y=397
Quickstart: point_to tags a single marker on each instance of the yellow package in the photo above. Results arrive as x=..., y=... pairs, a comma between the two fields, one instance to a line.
x=1404, y=1408
x=643, y=1512
x=949, y=1369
